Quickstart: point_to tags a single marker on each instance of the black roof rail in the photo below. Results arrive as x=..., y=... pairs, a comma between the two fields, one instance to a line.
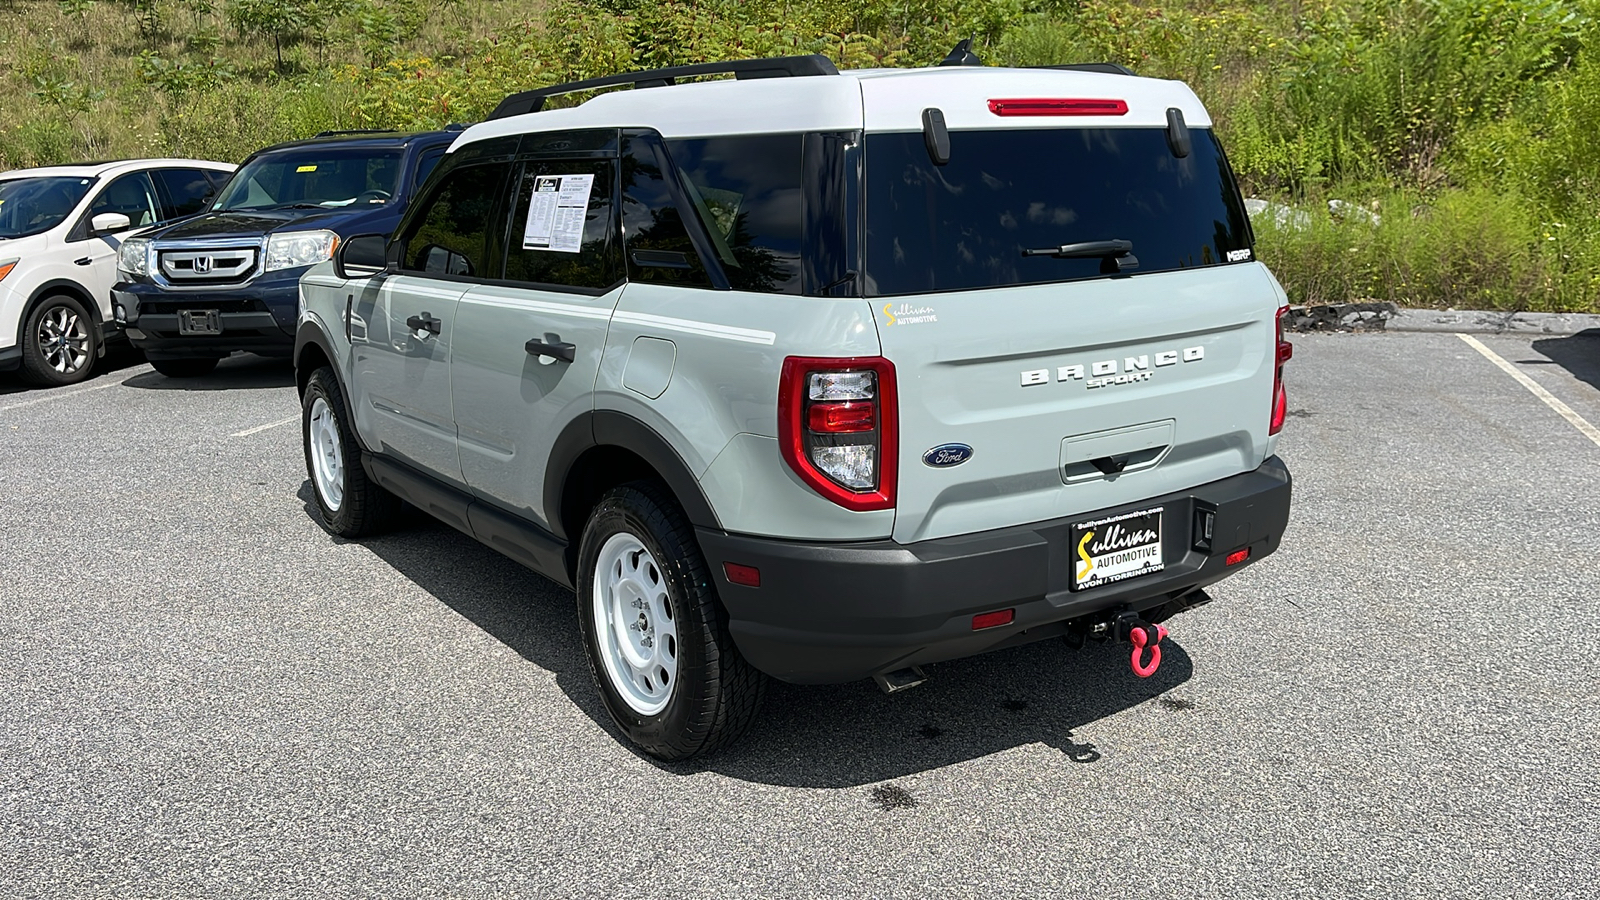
x=1103, y=68
x=773, y=67
x=323, y=134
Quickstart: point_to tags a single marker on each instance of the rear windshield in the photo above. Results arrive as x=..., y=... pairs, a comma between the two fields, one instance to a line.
x=328, y=177
x=965, y=225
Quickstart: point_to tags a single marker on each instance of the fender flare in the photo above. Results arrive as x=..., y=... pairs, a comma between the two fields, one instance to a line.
x=310, y=334
x=607, y=428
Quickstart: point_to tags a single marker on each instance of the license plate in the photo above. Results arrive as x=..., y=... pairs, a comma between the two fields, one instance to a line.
x=1116, y=548
x=199, y=321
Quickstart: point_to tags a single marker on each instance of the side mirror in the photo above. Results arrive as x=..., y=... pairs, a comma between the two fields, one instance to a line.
x=110, y=223
x=361, y=256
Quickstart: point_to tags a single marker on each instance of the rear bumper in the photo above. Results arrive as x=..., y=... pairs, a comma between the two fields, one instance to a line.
x=258, y=317
x=838, y=612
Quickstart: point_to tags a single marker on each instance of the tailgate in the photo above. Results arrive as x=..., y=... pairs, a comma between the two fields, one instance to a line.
x=1167, y=376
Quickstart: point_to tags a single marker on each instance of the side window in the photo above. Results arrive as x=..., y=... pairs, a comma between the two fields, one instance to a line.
x=562, y=223
x=747, y=191
x=449, y=236
x=659, y=248
x=425, y=166
x=133, y=196
x=188, y=191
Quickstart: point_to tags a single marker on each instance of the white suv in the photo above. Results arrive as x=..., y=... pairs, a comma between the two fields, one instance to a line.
x=60, y=228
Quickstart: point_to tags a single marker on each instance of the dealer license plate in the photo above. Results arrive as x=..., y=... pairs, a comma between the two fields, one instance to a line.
x=1116, y=548
x=199, y=321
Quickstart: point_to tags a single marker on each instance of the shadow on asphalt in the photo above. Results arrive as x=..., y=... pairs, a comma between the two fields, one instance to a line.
x=242, y=371
x=1578, y=354
x=831, y=736
x=117, y=358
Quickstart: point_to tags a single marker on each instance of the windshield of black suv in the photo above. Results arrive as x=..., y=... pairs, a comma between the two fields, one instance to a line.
x=966, y=224
x=33, y=205
x=326, y=177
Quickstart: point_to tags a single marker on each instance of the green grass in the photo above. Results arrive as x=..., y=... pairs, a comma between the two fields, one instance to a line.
x=1467, y=126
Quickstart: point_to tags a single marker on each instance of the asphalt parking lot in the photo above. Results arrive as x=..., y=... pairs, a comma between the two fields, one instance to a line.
x=205, y=695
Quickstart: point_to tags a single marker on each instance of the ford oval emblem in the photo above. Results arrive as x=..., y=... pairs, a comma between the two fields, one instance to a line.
x=946, y=455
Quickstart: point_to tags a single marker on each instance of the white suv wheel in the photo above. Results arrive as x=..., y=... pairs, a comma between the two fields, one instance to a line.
x=327, y=456
x=634, y=625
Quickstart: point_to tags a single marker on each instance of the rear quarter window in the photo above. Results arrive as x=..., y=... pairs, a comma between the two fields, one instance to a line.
x=747, y=191
x=965, y=225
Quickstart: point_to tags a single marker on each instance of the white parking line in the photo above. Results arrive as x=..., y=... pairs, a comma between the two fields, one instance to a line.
x=47, y=399
x=259, y=428
x=1565, y=411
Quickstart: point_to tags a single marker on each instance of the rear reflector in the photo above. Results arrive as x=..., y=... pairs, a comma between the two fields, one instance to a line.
x=1057, y=106
x=1238, y=556
x=749, y=576
x=993, y=619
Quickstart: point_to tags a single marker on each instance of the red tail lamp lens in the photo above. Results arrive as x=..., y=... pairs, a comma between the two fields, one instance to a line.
x=749, y=576
x=1238, y=556
x=1280, y=398
x=841, y=418
x=993, y=619
x=1057, y=106
x=837, y=428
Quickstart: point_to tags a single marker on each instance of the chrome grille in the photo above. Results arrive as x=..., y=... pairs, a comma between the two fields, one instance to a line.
x=213, y=265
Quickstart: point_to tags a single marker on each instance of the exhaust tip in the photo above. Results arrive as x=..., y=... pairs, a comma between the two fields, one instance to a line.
x=900, y=679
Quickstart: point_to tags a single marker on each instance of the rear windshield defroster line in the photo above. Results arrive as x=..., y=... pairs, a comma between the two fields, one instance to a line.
x=965, y=225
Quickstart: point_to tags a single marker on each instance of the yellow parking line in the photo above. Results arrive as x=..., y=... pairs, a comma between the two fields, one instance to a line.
x=1565, y=411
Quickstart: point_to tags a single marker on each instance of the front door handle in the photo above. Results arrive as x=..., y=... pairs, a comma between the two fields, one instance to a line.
x=82, y=262
x=552, y=346
x=424, y=322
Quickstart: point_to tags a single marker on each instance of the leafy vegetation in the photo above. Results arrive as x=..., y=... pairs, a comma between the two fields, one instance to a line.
x=1456, y=138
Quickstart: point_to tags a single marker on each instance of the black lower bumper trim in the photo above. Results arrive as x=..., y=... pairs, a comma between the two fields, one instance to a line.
x=10, y=358
x=837, y=612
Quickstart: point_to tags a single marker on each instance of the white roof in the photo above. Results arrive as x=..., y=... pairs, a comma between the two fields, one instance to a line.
x=99, y=170
x=874, y=100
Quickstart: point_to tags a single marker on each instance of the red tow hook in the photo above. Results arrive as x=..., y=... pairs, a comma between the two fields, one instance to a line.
x=1130, y=627
x=1140, y=636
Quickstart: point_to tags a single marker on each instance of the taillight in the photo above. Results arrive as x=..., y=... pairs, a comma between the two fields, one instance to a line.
x=1280, y=398
x=1057, y=106
x=837, y=428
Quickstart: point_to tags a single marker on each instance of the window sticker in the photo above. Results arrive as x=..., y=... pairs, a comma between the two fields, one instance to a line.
x=556, y=213
x=306, y=169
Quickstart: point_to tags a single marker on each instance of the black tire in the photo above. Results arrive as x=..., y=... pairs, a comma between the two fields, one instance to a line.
x=47, y=359
x=717, y=693
x=184, y=368
x=362, y=507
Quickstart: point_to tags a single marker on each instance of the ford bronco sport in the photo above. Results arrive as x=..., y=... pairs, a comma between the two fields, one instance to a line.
x=817, y=375
x=201, y=289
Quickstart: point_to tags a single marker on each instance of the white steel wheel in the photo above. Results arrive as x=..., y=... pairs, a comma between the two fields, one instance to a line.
x=634, y=624
x=326, y=453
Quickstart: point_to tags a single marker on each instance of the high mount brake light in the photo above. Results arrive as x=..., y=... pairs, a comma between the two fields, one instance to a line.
x=838, y=428
x=1280, y=398
x=1057, y=106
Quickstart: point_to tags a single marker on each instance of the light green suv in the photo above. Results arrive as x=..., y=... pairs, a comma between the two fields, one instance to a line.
x=817, y=375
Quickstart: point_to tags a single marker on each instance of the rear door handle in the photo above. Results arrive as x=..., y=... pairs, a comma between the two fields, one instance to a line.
x=424, y=322
x=82, y=262
x=553, y=346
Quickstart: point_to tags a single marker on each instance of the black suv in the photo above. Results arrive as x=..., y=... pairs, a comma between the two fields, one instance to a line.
x=193, y=292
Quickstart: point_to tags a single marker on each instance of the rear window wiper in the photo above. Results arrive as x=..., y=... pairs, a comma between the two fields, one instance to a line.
x=1118, y=255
